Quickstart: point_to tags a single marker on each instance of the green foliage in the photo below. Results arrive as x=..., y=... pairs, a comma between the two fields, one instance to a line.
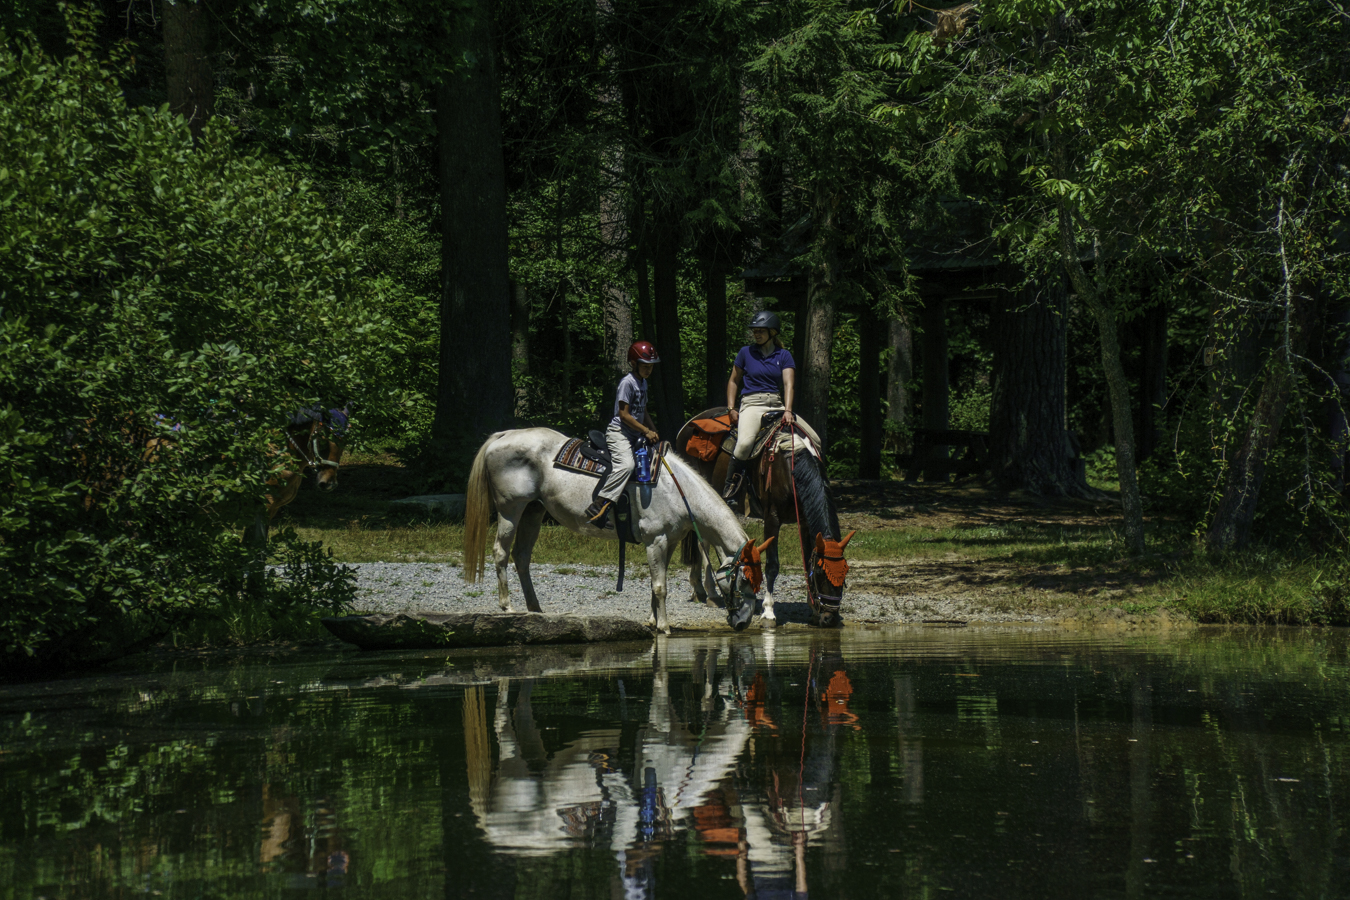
x=163, y=308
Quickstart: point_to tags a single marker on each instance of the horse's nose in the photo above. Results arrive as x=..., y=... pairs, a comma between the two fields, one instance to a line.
x=327, y=485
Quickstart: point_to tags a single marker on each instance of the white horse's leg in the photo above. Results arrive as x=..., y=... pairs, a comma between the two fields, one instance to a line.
x=658, y=556
x=501, y=553
x=527, y=532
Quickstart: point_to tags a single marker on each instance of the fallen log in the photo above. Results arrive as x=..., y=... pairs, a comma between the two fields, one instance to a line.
x=435, y=631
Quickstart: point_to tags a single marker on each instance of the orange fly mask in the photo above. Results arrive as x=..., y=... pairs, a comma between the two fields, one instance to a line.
x=751, y=567
x=829, y=557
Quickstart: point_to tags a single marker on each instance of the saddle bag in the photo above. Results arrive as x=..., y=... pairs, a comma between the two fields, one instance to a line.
x=706, y=440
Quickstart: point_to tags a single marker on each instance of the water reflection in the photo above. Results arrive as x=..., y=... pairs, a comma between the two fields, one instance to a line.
x=866, y=763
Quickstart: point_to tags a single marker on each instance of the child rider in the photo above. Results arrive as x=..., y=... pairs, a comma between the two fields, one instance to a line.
x=631, y=423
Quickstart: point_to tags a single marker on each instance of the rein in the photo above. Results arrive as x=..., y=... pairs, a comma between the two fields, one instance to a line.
x=712, y=548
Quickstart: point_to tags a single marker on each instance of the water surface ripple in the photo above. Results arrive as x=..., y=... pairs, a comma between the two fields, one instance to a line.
x=882, y=762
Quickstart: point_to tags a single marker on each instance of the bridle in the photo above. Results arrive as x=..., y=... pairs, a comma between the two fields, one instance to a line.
x=826, y=601
x=312, y=456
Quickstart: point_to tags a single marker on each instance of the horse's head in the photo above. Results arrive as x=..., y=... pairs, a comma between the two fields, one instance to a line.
x=320, y=443
x=826, y=579
x=738, y=581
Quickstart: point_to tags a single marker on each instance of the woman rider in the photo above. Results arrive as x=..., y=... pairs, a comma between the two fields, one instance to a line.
x=764, y=375
x=631, y=423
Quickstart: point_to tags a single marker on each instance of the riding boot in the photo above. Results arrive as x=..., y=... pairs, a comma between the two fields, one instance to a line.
x=735, y=481
x=598, y=513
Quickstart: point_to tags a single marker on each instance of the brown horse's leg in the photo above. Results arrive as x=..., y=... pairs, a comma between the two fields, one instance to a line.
x=527, y=532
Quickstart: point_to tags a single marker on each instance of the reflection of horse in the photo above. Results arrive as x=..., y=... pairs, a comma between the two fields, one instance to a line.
x=792, y=486
x=532, y=802
x=718, y=753
x=790, y=795
x=515, y=476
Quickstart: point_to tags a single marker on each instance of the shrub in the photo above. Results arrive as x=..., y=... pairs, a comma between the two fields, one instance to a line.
x=163, y=308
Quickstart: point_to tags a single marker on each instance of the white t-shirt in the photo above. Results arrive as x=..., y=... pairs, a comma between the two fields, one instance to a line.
x=633, y=391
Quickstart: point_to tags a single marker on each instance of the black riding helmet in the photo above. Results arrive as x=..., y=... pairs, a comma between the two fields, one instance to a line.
x=765, y=319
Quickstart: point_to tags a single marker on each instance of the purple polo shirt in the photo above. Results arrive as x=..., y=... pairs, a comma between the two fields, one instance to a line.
x=763, y=373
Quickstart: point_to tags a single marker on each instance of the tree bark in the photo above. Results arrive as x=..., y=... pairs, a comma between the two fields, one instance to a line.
x=1232, y=525
x=666, y=260
x=520, y=346
x=936, y=380
x=1152, y=377
x=474, y=395
x=1122, y=412
x=813, y=392
x=1028, y=444
x=899, y=371
x=869, y=394
x=715, y=292
x=187, y=61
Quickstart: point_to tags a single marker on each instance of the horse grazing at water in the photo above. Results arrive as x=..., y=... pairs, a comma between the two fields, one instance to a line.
x=514, y=476
x=792, y=486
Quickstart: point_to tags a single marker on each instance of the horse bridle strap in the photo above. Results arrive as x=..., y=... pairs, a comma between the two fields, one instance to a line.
x=825, y=600
x=315, y=459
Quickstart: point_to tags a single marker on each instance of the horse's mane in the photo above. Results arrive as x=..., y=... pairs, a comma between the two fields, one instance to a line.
x=817, y=513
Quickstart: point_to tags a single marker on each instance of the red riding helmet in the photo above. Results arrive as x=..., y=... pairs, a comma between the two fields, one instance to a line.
x=642, y=351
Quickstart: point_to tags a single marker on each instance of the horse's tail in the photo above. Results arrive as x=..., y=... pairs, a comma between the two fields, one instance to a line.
x=689, y=549
x=478, y=509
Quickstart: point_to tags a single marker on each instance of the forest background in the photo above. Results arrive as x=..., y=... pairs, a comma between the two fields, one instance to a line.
x=1110, y=234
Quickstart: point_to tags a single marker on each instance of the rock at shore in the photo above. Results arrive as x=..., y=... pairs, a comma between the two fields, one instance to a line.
x=435, y=631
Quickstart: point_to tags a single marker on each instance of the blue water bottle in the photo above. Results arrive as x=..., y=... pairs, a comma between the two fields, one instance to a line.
x=644, y=463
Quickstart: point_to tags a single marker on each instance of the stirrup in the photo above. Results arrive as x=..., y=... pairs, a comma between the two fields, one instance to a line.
x=735, y=481
x=598, y=513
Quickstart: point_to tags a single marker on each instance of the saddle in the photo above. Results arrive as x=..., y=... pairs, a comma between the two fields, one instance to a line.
x=591, y=457
x=709, y=437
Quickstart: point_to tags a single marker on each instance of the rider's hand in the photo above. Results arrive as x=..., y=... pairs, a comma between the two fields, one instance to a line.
x=788, y=418
x=653, y=437
x=734, y=416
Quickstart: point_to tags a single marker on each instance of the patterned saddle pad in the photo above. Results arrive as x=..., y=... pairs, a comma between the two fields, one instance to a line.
x=571, y=458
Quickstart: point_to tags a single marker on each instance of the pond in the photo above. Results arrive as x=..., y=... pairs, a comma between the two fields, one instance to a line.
x=897, y=762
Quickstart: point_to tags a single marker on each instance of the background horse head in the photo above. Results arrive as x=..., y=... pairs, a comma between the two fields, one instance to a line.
x=513, y=475
x=793, y=487
x=319, y=437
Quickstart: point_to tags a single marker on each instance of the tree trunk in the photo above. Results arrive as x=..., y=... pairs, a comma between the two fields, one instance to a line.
x=869, y=395
x=666, y=284
x=936, y=381
x=1028, y=444
x=1122, y=413
x=473, y=396
x=1232, y=525
x=900, y=370
x=520, y=346
x=1152, y=377
x=813, y=369
x=187, y=61
x=715, y=290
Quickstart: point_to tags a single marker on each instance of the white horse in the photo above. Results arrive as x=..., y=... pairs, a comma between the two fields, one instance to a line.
x=513, y=475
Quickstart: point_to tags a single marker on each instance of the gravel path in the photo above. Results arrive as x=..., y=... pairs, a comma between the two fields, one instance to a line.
x=439, y=587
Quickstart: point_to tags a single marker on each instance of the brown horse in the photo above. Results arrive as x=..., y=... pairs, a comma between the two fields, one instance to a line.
x=318, y=438
x=790, y=485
